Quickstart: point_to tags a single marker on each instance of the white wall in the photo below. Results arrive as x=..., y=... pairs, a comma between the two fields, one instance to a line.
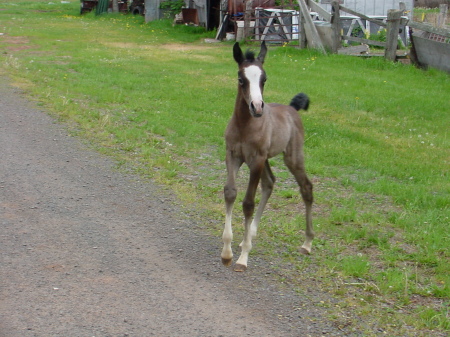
x=374, y=7
x=202, y=11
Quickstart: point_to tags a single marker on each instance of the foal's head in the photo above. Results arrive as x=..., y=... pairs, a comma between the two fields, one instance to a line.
x=251, y=77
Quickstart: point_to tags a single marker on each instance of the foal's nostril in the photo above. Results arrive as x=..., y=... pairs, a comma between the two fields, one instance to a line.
x=256, y=108
x=259, y=105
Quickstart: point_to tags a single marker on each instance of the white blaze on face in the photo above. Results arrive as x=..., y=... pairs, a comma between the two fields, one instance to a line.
x=253, y=74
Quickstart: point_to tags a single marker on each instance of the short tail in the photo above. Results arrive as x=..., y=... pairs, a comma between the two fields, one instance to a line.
x=300, y=101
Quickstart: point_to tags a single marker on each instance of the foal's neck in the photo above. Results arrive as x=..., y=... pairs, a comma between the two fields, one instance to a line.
x=241, y=108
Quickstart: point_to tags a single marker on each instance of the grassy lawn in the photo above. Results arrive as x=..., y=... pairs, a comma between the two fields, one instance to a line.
x=157, y=98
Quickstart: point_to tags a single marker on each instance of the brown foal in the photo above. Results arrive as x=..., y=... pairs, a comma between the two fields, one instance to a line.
x=255, y=133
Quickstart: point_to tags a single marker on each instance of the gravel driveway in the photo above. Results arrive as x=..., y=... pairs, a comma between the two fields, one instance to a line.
x=89, y=251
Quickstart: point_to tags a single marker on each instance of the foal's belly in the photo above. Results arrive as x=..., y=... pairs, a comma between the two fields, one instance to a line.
x=275, y=151
x=267, y=148
x=278, y=143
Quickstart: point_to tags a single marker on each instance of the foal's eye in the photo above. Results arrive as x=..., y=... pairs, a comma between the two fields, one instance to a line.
x=241, y=81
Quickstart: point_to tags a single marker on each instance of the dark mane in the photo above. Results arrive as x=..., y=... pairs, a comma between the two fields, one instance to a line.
x=250, y=55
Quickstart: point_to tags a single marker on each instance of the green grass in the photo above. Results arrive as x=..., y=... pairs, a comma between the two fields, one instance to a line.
x=158, y=98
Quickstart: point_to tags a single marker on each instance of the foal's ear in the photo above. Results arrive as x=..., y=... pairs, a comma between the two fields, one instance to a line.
x=262, y=53
x=237, y=53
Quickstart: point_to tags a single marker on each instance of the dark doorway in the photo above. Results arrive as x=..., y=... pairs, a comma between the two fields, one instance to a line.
x=213, y=14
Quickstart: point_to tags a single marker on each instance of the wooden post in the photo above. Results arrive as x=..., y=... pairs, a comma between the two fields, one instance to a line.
x=301, y=34
x=115, y=6
x=443, y=9
x=151, y=10
x=393, y=24
x=312, y=35
x=247, y=18
x=223, y=9
x=336, y=26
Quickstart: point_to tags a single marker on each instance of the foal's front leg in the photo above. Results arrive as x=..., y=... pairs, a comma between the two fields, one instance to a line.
x=248, y=206
x=230, y=192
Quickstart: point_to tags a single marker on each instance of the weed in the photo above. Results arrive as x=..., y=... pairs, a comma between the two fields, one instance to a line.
x=356, y=266
x=432, y=318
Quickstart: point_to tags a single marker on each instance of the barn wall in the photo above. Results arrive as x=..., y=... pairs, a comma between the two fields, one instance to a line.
x=201, y=7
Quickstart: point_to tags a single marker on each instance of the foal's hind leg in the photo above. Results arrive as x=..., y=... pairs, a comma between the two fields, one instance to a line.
x=267, y=182
x=295, y=163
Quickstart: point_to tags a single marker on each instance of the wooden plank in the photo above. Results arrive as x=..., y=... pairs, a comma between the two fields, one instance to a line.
x=429, y=28
x=267, y=27
x=362, y=16
x=322, y=12
x=312, y=35
x=283, y=26
x=359, y=40
x=350, y=29
x=221, y=31
x=354, y=50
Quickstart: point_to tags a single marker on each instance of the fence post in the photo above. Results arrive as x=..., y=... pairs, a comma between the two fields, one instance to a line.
x=335, y=26
x=223, y=9
x=393, y=24
x=115, y=6
x=442, y=15
x=301, y=31
x=151, y=10
x=247, y=18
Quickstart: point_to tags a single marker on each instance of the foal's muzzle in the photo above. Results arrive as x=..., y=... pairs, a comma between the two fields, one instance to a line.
x=256, y=108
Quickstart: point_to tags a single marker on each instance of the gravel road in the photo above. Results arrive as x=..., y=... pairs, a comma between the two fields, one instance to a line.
x=89, y=251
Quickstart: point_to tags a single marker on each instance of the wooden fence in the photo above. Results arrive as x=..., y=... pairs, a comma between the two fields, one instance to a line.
x=289, y=25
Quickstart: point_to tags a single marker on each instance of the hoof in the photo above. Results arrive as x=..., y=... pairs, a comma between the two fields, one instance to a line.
x=240, y=267
x=227, y=262
x=304, y=251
